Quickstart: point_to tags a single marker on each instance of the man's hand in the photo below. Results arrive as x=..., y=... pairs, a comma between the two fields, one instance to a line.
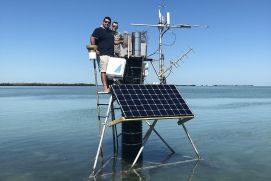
x=117, y=42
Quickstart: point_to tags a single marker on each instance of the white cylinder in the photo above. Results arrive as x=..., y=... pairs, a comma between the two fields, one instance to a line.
x=168, y=18
x=92, y=55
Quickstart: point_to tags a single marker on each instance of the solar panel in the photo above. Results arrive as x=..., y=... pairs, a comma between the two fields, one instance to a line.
x=148, y=101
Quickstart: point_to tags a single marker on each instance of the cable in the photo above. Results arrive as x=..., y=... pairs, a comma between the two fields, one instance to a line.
x=171, y=44
x=153, y=53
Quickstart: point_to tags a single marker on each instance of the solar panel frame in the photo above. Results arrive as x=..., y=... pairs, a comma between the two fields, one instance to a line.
x=147, y=101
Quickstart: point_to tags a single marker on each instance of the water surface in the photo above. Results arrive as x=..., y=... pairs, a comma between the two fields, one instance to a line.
x=51, y=133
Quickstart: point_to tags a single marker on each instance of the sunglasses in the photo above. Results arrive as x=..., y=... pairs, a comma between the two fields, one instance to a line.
x=107, y=22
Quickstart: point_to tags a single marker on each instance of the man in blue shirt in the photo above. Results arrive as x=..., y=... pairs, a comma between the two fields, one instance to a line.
x=103, y=37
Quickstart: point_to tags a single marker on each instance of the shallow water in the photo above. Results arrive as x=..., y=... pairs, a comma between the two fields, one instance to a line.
x=50, y=133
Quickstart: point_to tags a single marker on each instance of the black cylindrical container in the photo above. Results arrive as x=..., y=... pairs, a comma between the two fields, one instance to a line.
x=131, y=140
x=132, y=130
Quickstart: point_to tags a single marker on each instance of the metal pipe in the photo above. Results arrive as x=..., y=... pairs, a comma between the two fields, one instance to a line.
x=191, y=141
x=136, y=44
x=161, y=61
x=97, y=96
x=113, y=129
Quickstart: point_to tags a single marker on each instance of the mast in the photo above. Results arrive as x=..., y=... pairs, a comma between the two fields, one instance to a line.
x=163, y=26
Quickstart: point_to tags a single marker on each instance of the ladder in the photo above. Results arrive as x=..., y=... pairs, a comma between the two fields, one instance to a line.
x=103, y=118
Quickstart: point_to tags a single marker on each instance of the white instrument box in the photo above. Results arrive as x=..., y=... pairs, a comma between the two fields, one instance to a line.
x=115, y=68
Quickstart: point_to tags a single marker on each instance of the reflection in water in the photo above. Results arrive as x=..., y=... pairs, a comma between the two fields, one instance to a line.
x=193, y=171
x=119, y=170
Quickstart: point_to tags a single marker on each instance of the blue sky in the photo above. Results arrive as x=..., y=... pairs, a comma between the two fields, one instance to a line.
x=44, y=41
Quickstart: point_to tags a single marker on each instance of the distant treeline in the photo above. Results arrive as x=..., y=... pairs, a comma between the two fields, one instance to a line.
x=46, y=84
x=83, y=84
x=186, y=85
x=213, y=85
x=233, y=85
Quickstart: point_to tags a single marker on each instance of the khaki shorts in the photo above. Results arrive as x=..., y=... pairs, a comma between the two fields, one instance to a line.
x=102, y=62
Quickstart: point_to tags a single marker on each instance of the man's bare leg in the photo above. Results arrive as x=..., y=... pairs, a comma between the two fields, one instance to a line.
x=104, y=82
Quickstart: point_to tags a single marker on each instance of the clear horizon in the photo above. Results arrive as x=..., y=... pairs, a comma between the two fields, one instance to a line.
x=1, y=83
x=44, y=41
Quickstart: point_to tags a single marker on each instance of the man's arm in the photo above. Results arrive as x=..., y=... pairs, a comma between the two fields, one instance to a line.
x=95, y=35
x=92, y=40
x=118, y=39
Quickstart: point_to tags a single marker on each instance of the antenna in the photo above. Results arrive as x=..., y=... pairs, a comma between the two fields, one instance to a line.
x=163, y=26
x=160, y=17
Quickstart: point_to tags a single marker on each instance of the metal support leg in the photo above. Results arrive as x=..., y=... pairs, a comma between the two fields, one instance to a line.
x=145, y=139
x=102, y=136
x=113, y=129
x=161, y=138
x=114, y=140
x=191, y=141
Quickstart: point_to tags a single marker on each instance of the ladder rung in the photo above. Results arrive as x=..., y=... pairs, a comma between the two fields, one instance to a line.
x=103, y=116
x=104, y=93
x=103, y=104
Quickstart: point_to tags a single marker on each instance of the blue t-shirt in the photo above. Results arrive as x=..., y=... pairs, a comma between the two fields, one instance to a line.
x=104, y=40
